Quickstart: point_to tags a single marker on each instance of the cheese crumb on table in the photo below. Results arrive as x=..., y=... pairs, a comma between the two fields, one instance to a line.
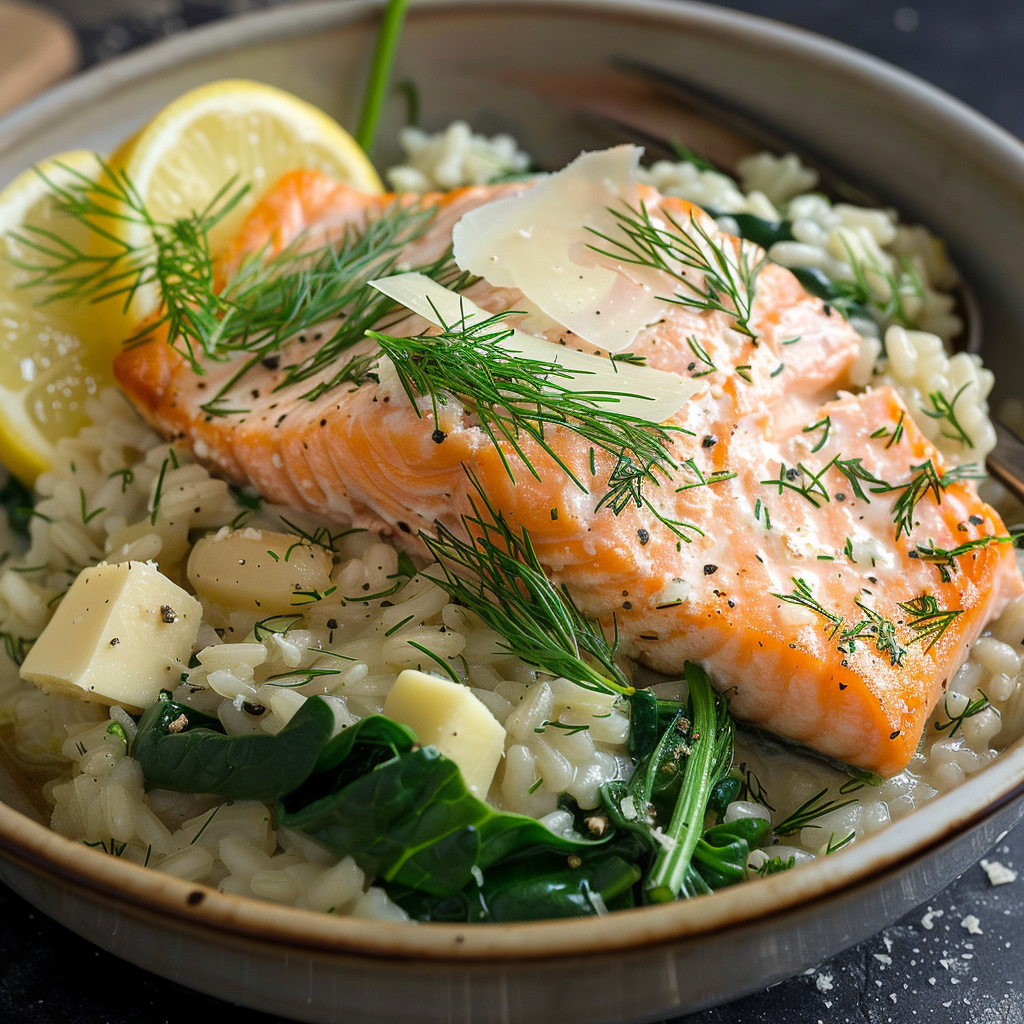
x=998, y=874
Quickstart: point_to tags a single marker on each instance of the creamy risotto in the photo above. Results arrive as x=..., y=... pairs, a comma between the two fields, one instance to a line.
x=120, y=495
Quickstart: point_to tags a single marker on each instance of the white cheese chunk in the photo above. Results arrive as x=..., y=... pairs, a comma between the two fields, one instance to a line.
x=641, y=391
x=122, y=634
x=542, y=240
x=259, y=570
x=450, y=717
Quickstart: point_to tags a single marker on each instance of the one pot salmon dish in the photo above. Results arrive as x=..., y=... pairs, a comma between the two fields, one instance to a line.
x=509, y=545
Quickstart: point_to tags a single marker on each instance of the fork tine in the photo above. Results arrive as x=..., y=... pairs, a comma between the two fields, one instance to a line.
x=634, y=112
x=1006, y=461
x=755, y=130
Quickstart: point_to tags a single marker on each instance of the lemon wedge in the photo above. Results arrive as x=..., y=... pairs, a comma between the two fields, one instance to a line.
x=231, y=129
x=52, y=357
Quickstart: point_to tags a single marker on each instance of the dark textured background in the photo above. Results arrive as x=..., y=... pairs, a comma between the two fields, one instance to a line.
x=923, y=968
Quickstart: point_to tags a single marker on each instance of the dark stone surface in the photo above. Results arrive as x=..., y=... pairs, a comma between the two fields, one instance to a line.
x=910, y=972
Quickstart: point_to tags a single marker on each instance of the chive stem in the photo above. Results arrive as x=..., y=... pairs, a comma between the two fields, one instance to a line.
x=380, y=71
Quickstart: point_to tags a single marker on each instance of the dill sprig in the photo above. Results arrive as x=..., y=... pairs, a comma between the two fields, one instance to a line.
x=717, y=477
x=176, y=257
x=928, y=620
x=265, y=300
x=269, y=301
x=945, y=558
x=16, y=647
x=702, y=354
x=775, y=866
x=751, y=787
x=835, y=847
x=925, y=480
x=897, y=432
x=727, y=280
x=876, y=627
x=826, y=424
x=515, y=398
x=626, y=487
x=859, y=291
x=945, y=409
x=809, y=484
x=974, y=707
x=804, y=816
x=497, y=575
x=369, y=309
x=803, y=597
x=855, y=473
x=803, y=481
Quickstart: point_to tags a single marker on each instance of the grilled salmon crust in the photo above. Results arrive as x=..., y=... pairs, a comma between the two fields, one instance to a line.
x=729, y=595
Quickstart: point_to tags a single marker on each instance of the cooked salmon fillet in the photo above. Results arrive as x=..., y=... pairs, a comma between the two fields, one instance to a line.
x=793, y=585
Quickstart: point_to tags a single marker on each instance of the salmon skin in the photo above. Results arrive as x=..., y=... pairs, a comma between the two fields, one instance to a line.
x=794, y=587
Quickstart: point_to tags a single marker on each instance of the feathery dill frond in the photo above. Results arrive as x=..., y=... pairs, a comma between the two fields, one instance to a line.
x=497, y=575
x=515, y=398
x=727, y=279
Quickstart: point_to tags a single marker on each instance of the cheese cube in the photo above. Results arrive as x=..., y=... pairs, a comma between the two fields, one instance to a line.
x=448, y=716
x=122, y=634
x=259, y=570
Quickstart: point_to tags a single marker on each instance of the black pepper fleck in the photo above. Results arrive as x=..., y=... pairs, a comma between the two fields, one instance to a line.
x=643, y=535
x=710, y=570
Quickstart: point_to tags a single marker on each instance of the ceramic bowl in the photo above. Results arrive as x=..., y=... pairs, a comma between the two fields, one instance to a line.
x=919, y=149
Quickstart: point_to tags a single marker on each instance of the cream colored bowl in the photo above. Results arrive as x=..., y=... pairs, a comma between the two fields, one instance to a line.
x=921, y=150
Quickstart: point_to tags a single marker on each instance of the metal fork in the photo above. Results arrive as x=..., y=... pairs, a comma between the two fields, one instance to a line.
x=635, y=110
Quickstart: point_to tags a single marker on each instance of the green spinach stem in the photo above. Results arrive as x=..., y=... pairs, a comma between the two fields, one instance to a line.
x=709, y=759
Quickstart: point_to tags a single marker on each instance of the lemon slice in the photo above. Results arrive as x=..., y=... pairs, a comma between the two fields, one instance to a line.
x=237, y=129
x=52, y=357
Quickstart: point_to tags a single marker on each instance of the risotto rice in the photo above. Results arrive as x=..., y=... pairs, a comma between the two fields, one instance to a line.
x=118, y=493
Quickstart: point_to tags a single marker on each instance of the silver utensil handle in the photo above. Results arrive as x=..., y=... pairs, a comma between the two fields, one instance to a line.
x=1006, y=462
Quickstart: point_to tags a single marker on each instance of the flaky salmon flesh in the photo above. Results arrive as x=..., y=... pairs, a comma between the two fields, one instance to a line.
x=798, y=590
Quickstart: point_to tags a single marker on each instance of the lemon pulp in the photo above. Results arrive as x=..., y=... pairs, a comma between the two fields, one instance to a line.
x=53, y=357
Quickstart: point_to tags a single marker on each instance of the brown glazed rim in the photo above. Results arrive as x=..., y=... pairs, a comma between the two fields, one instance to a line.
x=140, y=892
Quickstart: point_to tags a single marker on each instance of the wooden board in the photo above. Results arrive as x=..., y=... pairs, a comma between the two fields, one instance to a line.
x=37, y=49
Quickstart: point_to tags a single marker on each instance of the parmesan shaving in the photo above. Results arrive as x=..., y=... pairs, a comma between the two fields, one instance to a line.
x=539, y=241
x=644, y=392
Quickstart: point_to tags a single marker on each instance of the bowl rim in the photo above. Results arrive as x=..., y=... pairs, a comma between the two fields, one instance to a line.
x=139, y=890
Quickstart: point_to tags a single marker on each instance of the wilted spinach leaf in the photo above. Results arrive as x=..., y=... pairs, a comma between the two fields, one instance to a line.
x=410, y=820
x=187, y=751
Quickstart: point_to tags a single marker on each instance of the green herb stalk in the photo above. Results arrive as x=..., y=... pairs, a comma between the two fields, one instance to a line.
x=709, y=761
x=380, y=71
